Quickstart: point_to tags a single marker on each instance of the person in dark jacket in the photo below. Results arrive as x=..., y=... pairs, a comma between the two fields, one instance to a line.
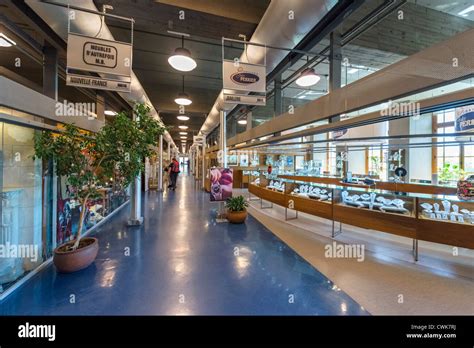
x=173, y=172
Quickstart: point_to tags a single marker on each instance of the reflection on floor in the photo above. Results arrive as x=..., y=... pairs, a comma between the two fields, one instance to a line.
x=181, y=261
x=388, y=281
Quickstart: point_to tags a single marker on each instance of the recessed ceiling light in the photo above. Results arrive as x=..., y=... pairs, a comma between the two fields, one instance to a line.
x=110, y=113
x=242, y=121
x=183, y=127
x=181, y=60
x=183, y=118
x=184, y=137
x=183, y=133
x=5, y=41
x=307, y=78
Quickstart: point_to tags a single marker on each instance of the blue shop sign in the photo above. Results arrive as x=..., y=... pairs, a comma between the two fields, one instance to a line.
x=464, y=119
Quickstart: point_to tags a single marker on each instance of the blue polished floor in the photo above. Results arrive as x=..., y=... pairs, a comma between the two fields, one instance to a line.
x=182, y=262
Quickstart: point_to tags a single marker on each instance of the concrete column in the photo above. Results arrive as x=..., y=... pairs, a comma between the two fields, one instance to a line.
x=249, y=120
x=136, y=217
x=335, y=61
x=278, y=97
x=160, y=165
x=234, y=127
x=169, y=151
x=50, y=72
x=335, y=65
x=197, y=161
x=222, y=138
x=100, y=107
x=203, y=163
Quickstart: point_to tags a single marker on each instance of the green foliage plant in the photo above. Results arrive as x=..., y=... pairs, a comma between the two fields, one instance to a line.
x=117, y=151
x=236, y=204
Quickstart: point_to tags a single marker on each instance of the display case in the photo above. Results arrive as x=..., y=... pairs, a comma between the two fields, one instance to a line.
x=446, y=209
x=322, y=193
x=267, y=194
x=446, y=219
x=311, y=198
x=384, y=211
x=278, y=185
x=441, y=219
x=377, y=200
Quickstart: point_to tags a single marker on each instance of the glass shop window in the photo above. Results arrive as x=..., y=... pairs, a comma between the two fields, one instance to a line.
x=25, y=236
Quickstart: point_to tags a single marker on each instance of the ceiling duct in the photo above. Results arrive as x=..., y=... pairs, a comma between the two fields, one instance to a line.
x=89, y=24
x=278, y=30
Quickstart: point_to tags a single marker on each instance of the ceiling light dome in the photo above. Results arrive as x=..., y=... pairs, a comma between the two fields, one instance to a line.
x=307, y=78
x=181, y=60
x=183, y=127
x=183, y=99
x=183, y=117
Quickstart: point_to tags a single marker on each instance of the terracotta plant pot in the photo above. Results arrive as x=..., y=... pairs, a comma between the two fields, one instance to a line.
x=72, y=261
x=236, y=217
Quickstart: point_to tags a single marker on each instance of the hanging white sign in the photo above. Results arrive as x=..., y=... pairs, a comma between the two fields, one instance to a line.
x=98, y=55
x=245, y=77
x=97, y=83
x=198, y=139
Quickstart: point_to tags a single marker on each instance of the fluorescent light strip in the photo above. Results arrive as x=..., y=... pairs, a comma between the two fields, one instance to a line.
x=466, y=11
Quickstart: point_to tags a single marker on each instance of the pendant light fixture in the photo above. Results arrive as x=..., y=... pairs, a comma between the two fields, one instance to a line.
x=183, y=98
x=307, y=77
x=181, y=59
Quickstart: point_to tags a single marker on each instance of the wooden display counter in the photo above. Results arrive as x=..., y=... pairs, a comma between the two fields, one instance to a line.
x=310, y=206
x=278, y=198
x=411, y=225
x=405, y=226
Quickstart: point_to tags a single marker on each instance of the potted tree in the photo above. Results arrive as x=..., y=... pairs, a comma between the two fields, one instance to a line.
x=236, y=209
x=88, y=160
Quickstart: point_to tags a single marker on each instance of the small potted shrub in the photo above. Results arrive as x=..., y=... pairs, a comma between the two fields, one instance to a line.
x=236, y=209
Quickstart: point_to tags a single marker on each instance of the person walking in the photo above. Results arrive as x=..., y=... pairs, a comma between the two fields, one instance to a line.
x=173, y=172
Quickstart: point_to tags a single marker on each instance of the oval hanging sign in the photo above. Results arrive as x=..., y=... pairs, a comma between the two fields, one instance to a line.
x=244, y=78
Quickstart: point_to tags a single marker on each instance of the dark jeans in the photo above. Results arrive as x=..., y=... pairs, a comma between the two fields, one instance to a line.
x=173, y=179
